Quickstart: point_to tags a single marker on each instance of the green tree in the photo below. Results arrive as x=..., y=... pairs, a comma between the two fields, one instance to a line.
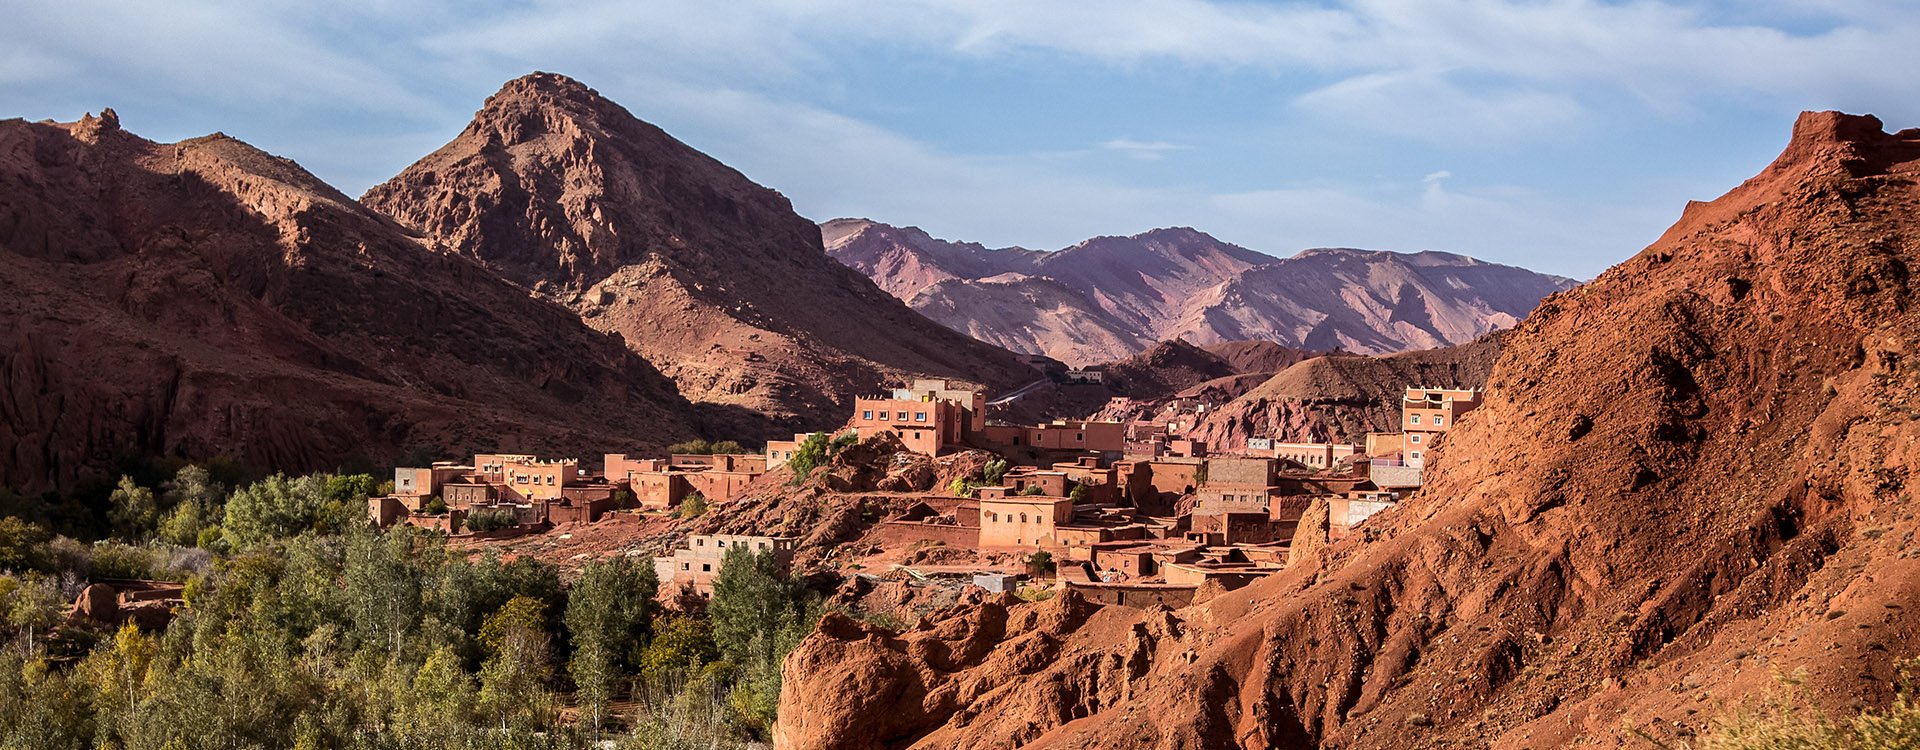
x=695, y=446
x=195, y=501
x=134, y=512
x=609, y=610
x=963, y=487
x=726, y=447
x=33, y=607
x=994, y=471
x=1040, y=564
x=680, y=644
x=759, y=614
x=1033, y=489
x=692, y=506
x=810, y=454
x=273, y=508
x=513, y=681
x=1078, y=493
x=21, y=543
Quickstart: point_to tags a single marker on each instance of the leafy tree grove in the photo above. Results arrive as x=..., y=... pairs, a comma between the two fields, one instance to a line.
x=304, y=628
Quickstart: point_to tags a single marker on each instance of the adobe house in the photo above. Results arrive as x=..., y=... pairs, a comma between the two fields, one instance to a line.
x=1030, y=521
x=535, y=479
x=1220, y=528
x=1021, y=479
x=1317, y=456
x=697, y=562
x=1345, y=513
x=779, y=452
x=1427, y=413
x=924, y=426
x=1240, y=484
x=492, y=467
x=411, y=482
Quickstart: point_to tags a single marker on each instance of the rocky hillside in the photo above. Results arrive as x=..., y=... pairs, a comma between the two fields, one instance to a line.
x=1692, y=476
x=713, y=278
x=203, y=299
x=1343, y=398
x=1110, y=297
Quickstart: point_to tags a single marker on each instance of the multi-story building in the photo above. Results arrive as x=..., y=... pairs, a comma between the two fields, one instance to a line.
x=697, y=562
x=926, y=421
x=1239, y=484
x=1427, y=413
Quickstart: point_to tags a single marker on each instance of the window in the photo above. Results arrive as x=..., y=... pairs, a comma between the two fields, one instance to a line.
x=686, y=566
x=1023, y=518
x=1415, y=454
x=720, y=543
x=900, y=415
x=868, y=414
x=701, y=542
x=706, y=567
x=919, y=416
x=1415, y=418
x=1415, y=437
x=1439, y=420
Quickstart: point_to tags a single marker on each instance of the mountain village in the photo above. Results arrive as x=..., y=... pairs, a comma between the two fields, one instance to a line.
x=1125, y=513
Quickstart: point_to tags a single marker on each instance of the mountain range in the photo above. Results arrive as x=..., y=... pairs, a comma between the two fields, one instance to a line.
x=561, y=278
x=1110, y=297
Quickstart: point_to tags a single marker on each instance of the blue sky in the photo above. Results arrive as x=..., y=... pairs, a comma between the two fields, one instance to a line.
x=1562, y=135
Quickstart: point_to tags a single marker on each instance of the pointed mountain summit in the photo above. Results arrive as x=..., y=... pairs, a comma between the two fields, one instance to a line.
x=710, y=276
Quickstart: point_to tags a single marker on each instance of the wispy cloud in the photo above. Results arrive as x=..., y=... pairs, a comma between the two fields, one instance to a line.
x=1143, y=150
x=786, y=90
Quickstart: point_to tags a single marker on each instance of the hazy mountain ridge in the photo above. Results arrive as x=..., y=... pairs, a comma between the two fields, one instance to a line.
x=1180, y=283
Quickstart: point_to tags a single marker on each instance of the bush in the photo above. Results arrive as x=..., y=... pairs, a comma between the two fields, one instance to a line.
x=1079, y=493
x=843, y=441
x=695, y=446
x=698, y=447
x=693, y=506
x=489, y=520
x=1787, y=722
x=963, y=487
x=1032, y=489
x=435, y=507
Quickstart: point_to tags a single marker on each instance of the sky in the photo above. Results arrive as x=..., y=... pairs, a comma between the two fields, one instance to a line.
x=1560, y=135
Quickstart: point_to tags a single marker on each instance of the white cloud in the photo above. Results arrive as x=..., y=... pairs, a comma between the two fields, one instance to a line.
x=1143, y=150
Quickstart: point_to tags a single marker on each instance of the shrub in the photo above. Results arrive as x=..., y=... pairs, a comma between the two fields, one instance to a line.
x=843, y=441
x=963, y=487
x=1079, y=493
x=726, y=447
x=695, y=446
x=1032, y=489
x=489, y=520
x=435, y=507
x=693, y=506
x=1786, y=721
